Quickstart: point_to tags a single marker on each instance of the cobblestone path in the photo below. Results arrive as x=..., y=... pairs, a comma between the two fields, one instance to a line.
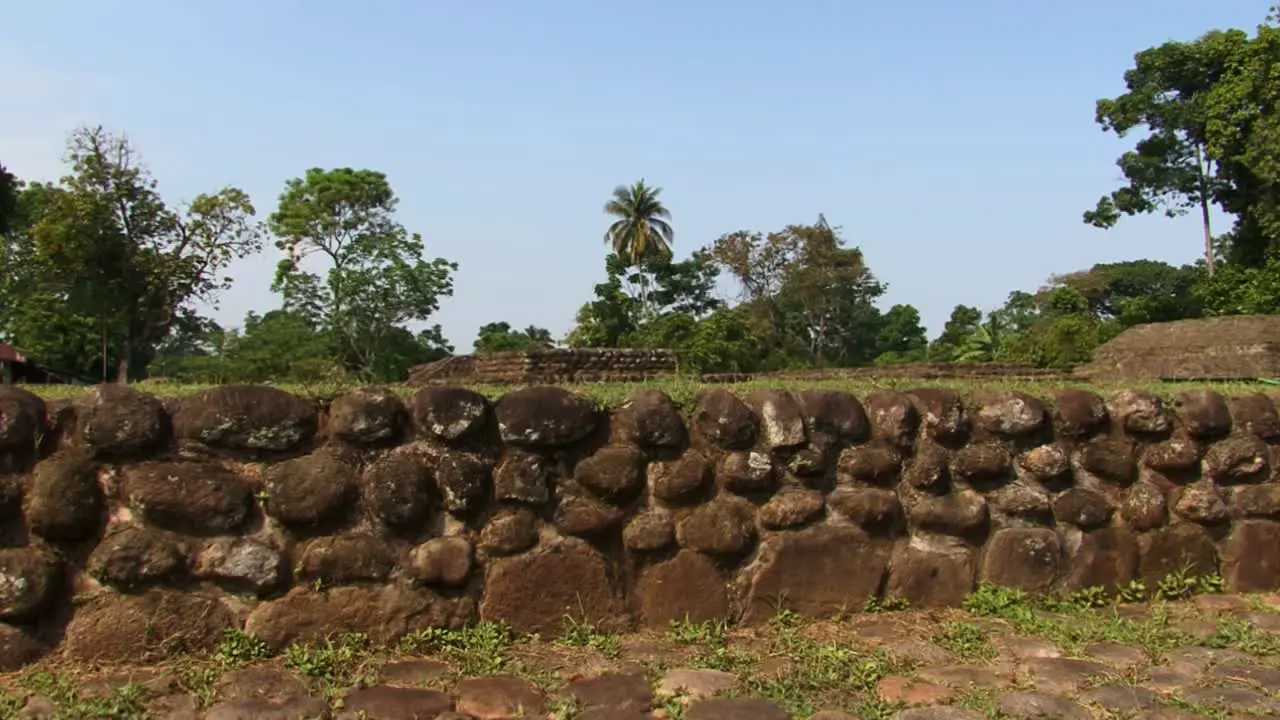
x=1211, y=656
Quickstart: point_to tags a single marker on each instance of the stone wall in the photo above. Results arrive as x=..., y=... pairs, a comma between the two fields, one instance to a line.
x=133, y=528
x=561, y=365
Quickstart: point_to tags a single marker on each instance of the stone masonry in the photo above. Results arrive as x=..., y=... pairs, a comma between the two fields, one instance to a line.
x=134, y=528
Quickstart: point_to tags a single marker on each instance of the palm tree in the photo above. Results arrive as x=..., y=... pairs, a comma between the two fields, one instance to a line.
x=642, y=230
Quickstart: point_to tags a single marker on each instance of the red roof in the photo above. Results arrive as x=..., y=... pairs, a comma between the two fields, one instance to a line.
x=9, y=353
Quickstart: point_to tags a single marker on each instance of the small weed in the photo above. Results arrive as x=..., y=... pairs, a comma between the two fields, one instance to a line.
x=981, y=700
x=683, y=632
x=1135, y=591
x=565, y=708
x=480, y=649
x=240, y=648
x=886, y=604
x=126, y=703
x=998, y=602
x=965, y=641
x=1235, y=632
x=200, y=681
x=336, y=663
x=580, y=633
x=10, y=706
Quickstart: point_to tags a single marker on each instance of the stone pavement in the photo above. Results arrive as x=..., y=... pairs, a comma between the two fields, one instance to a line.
x=1211, y=656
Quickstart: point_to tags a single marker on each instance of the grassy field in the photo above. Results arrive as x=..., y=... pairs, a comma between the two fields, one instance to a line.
x=683, y=390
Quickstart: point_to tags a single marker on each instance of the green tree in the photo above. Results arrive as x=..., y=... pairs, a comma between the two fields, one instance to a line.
x=1171, y=169
x=376, y=281
x=611, y=316
x=641, y=229
x=1136, y=292
x=103, y=251
x=810, y=297
x=500, y=336
x=1239, y=290
x=9, y=188
x=901, y=337
x=963, y=322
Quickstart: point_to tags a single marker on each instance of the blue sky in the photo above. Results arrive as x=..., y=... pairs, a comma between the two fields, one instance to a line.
x=954, y=142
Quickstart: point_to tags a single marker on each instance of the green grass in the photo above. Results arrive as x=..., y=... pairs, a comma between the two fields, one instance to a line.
x=683, y=389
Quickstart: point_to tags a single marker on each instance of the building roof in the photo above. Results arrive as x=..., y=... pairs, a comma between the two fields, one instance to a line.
x=9, y=353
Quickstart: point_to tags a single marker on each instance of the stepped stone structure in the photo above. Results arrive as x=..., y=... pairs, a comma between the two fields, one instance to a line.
x=560, y=365
x=134, y=527
x=1244, y=347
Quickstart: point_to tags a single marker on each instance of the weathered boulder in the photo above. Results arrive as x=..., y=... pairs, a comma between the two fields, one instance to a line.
x=1200, y=502
x=815, y=572
x=1238, y=459
x=724, y=420
x=190, y=497
x=242, y=564
x=781, y=419
x=17, y=648
x=545, y=417
x=943, y=414
x=687, y=587
x=585, y=516
x=614, y=472
x=1204, y=413
x=463, y=480
x=1077, y=413
x=382, y=612
x=64, y=501
x=1255, y=414
x=1175, y=456
x=649, y=531
x=1025, y=558
x=155, y=625
x=131, y=558
x=1140, y=412
x=118, y=421
x=746, y=473
x=652, y=420
x=1046, y=463
x=1110, y=459
x=448, y=414
x=725, y=526
x=932, y=574
x=537, y=591
x=22, y=418
x=29, y=578
x=835, y=415
x=1008, y=413
x=443, y=561
x=1105, y=558
x=790, y=508
x=309, y=490
x=1145, y=506
x=680, y=480
x=1176, y=549
x=524, y=477
x=1083, y=508
x=398, y=489
x=367, y=416
x=246, y=417
x=1251, y=557
x=346, y=559
x=981, y=464
x=963, y=513
x=876, y=510
x=893, y=418
x=509, y=531
x=869, y=464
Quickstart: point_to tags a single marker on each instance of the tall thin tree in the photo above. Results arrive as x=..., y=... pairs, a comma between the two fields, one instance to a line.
x=642, y=228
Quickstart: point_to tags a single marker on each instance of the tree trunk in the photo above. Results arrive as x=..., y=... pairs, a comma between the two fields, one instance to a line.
x=1204, y=211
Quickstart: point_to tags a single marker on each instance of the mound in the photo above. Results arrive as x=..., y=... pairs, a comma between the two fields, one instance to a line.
x=1231, y=348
